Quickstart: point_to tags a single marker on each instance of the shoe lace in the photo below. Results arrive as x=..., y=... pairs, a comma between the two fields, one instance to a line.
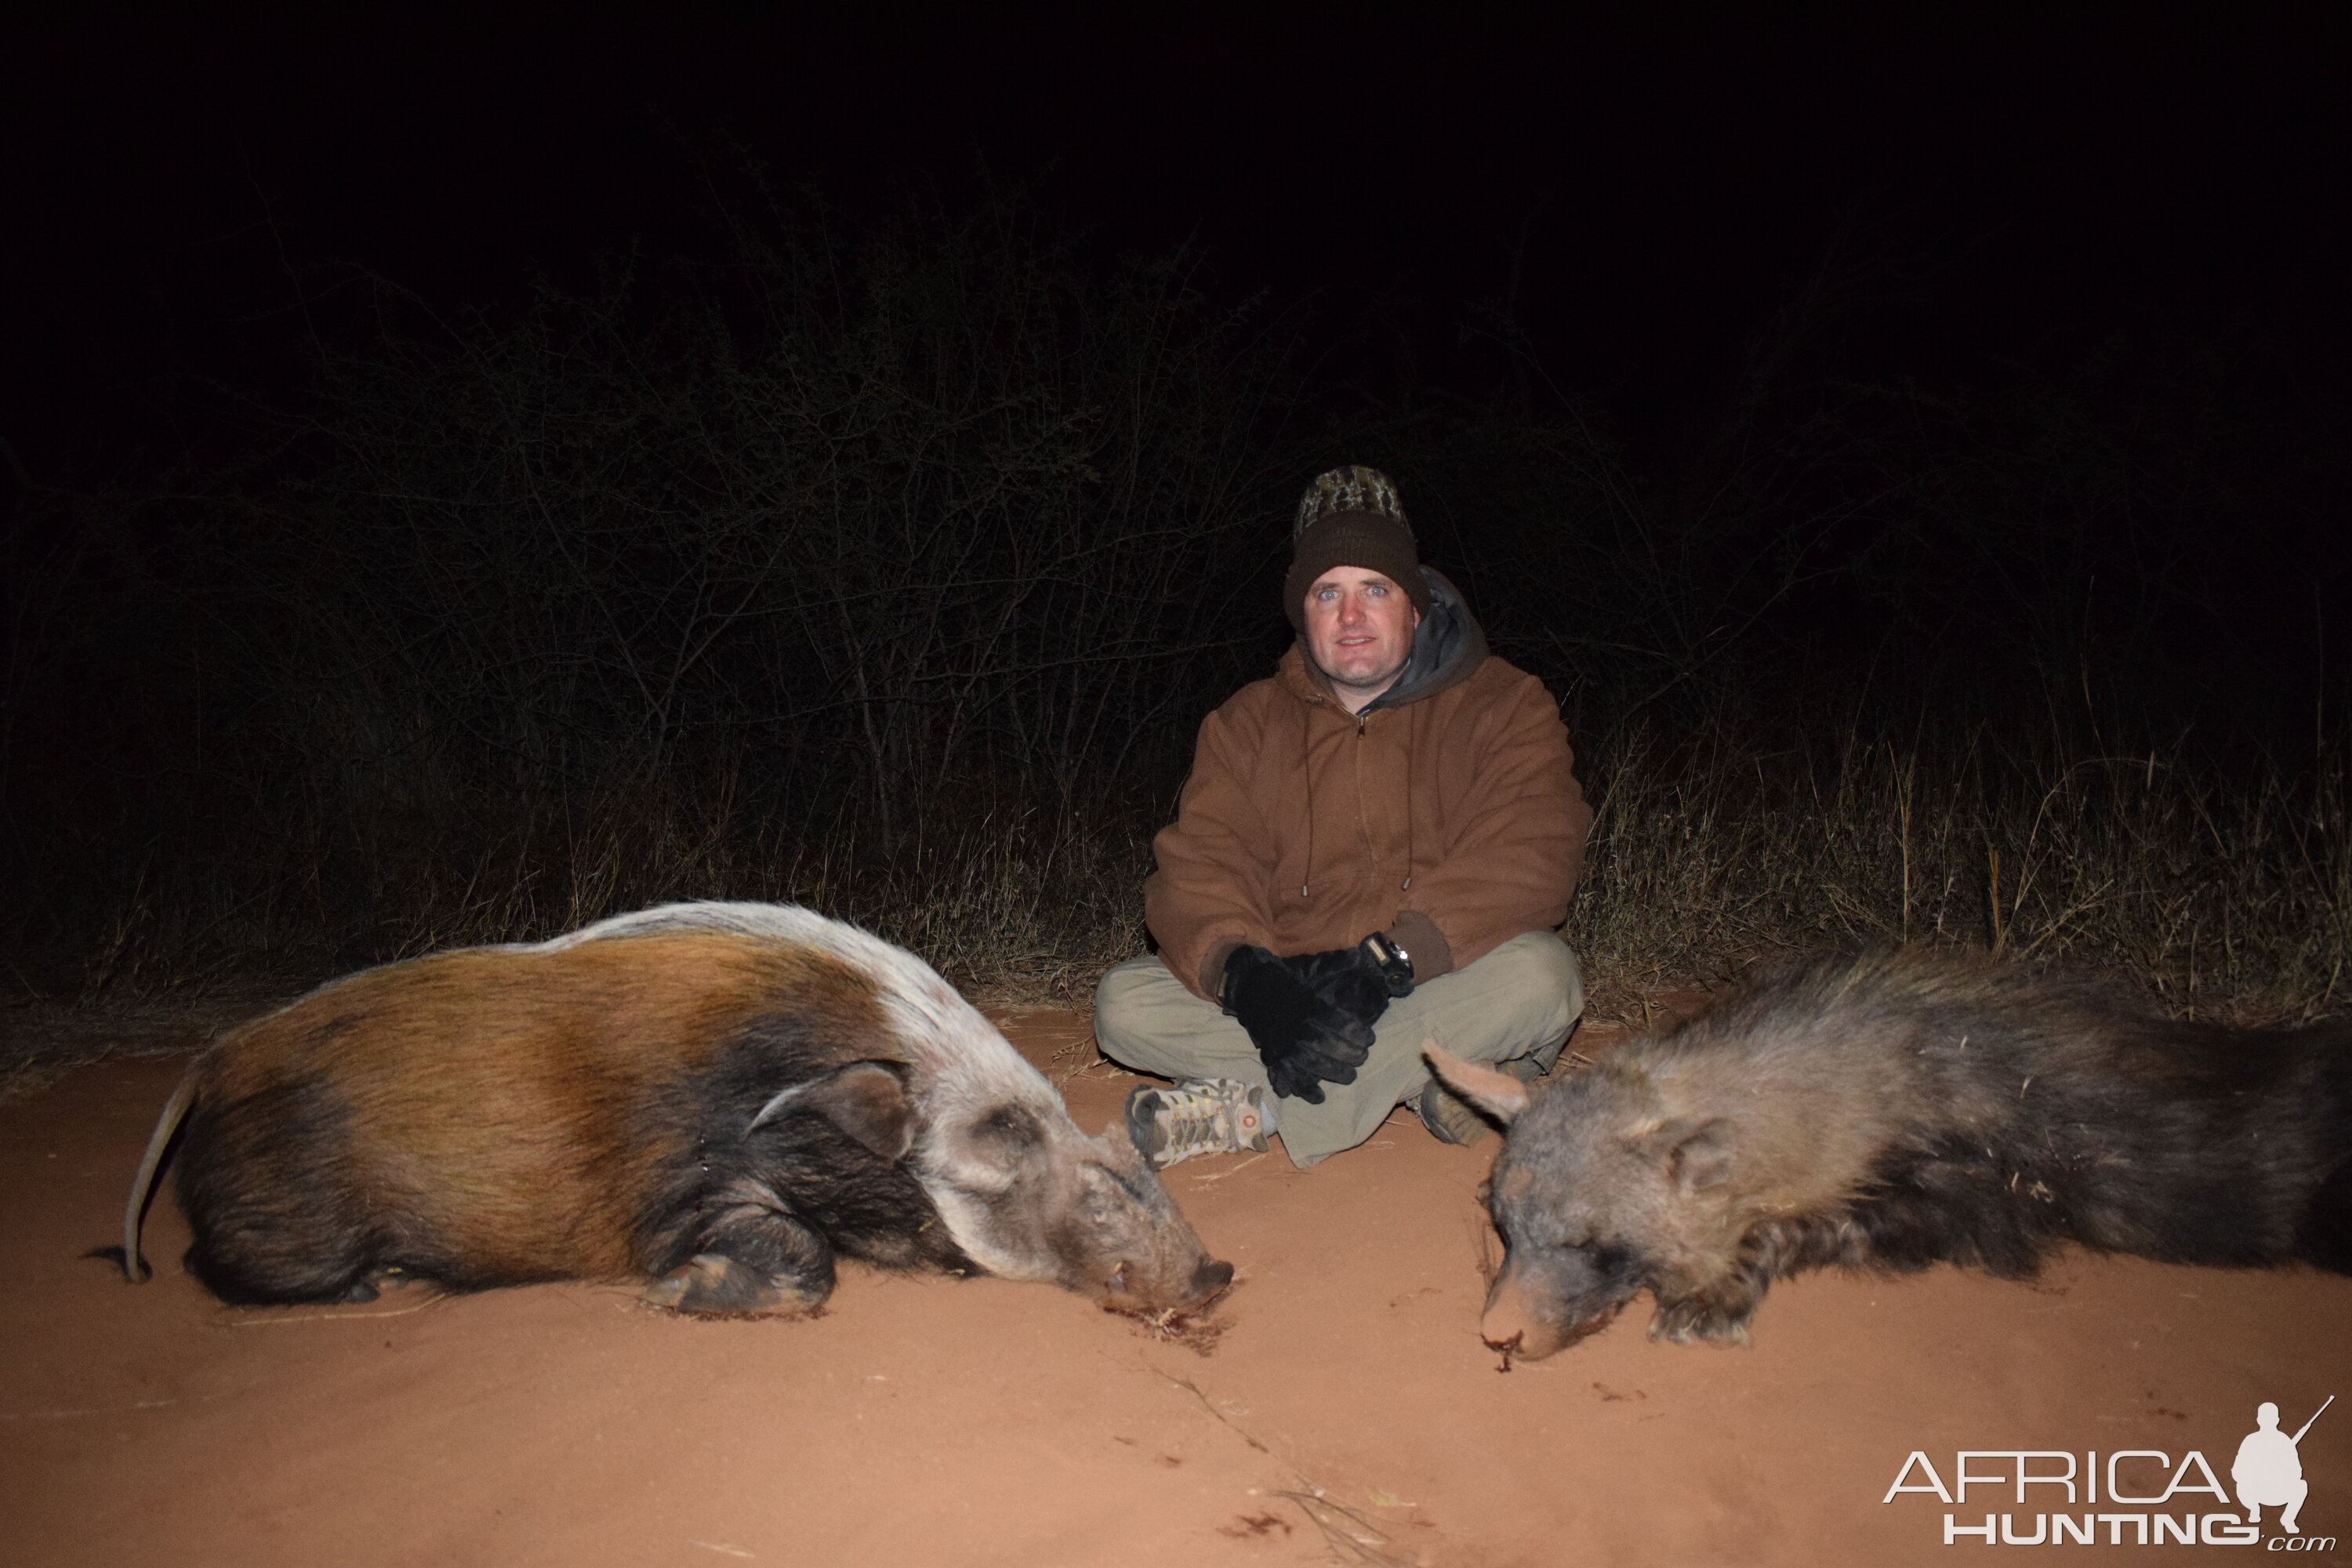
x=1199, y=1120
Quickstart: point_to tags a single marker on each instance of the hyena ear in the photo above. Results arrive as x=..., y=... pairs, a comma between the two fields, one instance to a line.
x=1496, y=1092
x=868, y=1101
x=1697, y=1153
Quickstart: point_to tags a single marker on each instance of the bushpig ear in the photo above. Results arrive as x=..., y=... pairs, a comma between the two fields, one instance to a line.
x=868, y=1101
x=1004, y=1138
x=1496, y=1092
x=1697, y=1155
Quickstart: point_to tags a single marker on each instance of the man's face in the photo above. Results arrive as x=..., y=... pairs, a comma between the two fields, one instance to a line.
x=1359, y=629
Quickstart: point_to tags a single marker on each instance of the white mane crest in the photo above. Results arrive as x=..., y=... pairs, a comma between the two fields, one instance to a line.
x=947, y=1040
x=963, y=1067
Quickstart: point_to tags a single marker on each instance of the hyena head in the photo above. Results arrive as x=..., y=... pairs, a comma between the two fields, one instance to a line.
x=1596, y=1193
x=1029, y=1197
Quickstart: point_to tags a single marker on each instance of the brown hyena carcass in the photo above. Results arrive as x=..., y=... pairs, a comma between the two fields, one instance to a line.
x=715, y=1099
x=1899, y=1110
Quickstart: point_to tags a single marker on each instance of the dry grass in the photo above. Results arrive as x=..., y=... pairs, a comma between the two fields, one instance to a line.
x=2223, y=896
x=1011, y=921
x=901, y=601
x=42, y=1037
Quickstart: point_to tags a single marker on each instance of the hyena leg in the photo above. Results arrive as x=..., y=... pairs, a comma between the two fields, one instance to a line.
x=1717, y=1312
x=749, y=1256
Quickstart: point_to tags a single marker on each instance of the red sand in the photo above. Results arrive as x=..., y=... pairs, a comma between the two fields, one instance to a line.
x=1349, y=1414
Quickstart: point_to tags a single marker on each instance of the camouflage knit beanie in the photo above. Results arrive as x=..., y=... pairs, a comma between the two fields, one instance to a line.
x=1351, y=516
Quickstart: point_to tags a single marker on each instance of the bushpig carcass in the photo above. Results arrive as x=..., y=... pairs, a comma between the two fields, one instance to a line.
x=1896, y=1109
x=715, y=1099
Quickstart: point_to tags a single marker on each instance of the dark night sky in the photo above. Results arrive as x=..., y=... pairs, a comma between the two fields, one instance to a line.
x=2031, y=187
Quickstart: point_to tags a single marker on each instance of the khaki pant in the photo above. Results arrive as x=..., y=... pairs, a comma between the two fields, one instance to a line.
x=1519, y=1000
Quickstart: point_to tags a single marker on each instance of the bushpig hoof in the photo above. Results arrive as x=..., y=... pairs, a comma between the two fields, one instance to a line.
x=715, y=1283
x=371, y=1285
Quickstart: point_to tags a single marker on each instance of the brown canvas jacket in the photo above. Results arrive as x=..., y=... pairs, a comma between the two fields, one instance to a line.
x=1302, y=825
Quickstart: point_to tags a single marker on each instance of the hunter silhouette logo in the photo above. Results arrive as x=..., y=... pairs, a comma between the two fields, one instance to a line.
x=2124, y=1497
x=2268, y=1471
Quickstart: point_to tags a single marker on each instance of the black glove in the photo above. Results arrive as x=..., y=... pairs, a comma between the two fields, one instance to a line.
x=1304, y=1041
x=1351, y=979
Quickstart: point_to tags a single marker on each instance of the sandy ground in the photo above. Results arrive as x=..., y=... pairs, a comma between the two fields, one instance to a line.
x=1349, y=1414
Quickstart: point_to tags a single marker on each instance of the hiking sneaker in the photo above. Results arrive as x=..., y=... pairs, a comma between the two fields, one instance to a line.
x=1454, y=1119
x=1199, y=1116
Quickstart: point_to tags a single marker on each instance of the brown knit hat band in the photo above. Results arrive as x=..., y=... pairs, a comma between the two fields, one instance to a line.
x=1361, y=538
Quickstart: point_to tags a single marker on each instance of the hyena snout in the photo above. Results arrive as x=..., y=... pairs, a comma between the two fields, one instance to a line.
x=1534, y=1313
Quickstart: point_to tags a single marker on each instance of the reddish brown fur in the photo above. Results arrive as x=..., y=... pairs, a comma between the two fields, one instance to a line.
x=560, y=1048
x=720, y=1099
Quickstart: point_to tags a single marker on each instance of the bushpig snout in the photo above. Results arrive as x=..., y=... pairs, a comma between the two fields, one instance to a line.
x=1208, y=1281
x=1121, y=1237
x=1131, y=1291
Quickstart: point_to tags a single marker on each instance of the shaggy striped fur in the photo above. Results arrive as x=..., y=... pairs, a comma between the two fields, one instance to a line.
x=1899, y=1110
